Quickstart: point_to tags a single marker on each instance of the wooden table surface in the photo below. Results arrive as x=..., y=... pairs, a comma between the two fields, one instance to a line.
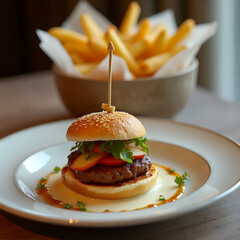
x=32, y=99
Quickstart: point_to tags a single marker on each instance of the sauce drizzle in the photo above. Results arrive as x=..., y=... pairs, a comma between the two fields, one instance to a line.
x=44, y=192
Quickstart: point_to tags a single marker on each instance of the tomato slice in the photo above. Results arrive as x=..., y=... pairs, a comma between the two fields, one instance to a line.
x=81, y=164
x=109, y=160
x=96, y=148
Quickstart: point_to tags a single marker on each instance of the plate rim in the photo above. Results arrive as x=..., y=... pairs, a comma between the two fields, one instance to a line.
x=36, y=217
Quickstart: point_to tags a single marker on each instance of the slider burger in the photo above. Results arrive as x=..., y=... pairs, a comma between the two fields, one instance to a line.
x=109, y=159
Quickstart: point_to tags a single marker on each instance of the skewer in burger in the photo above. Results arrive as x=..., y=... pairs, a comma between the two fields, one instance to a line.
x=109, y=159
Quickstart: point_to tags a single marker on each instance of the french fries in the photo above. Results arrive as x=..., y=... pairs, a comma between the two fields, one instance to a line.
x=144, y=28
x=154, y=33
x=95, y=34
x=76, y=58
x=151, y=65
x=86, y=68
x=145, y=50
x=159, y=44
x=140, y=47
x=182, y=32
x=99, y=46
x=67, y=36
x=84, y=52
x=122, y=51
x=130, y=19
x=90, y=27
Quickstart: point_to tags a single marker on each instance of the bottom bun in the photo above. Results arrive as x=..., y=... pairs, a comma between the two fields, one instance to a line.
x=126, y=189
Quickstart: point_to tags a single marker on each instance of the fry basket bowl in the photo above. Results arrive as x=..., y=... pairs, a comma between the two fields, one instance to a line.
x=153, y=97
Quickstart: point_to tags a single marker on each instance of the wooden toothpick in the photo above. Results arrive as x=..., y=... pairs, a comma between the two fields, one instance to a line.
x=110, y=49
x=107, y=107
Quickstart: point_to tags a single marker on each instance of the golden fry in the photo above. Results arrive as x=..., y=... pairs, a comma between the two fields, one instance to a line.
x=138, y=48
x=142, y=47
x=65, y=35
x=86, y=68
x=159, y=45
x=150, y=65
x=85, y=52
x=125, y=38
x=161, y=42
x=122, y=51
x=183, y=31
x=143, y=29
x=130, y=18
x=76, y=58
x=154, y=33
x=99, y=46
x=90, y=27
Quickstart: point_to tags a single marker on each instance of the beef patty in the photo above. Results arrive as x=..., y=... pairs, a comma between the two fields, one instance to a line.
x=100, y=174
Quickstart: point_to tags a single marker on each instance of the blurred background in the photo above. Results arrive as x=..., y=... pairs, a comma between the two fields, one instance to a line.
x=219, y=57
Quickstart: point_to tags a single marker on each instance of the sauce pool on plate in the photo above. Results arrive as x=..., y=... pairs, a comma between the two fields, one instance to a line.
x=55, y=193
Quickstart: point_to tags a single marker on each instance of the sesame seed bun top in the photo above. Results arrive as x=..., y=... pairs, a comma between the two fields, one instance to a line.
x=105, y=126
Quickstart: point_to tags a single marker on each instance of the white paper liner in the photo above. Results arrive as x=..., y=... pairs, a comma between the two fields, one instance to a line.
x=56, y=52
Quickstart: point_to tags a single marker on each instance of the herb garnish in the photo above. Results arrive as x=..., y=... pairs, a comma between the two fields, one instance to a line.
x=84, y=147
x=44, y=178
x=142, y=143
x=172, y=170
x=56, y=169
x=118, y=148
x=68, y=206
x=41, y=186
x=181, y=180
x=162, y=198
x=82, y=206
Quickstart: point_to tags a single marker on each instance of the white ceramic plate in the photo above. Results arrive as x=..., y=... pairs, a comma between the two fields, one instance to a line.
x=205, y=155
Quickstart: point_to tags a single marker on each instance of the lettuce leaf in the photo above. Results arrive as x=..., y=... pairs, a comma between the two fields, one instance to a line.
x=116, y=147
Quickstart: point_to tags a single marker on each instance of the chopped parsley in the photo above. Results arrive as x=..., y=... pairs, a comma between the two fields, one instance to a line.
x=181, y=179
x=43, y=178
x=82, y=206
x=172, y=170
x=57, y=169
x=162, y=198
x=68, y=206
x=41, y=186
x=118, y=148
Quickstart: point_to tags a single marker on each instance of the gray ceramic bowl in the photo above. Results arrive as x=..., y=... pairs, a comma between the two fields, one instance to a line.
x=162, y=97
